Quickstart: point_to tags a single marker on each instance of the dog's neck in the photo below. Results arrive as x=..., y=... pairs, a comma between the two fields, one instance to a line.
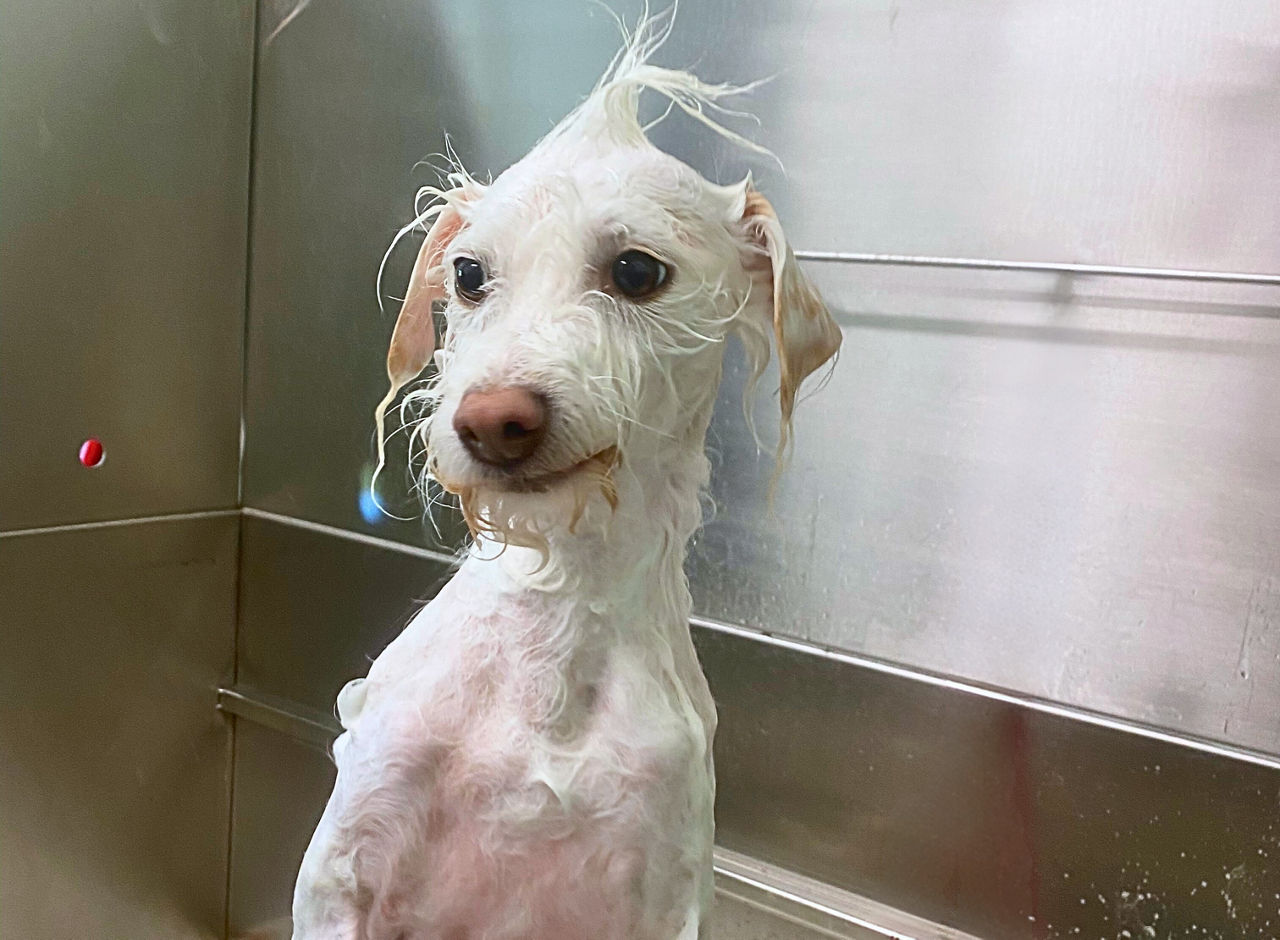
x=612, y=551
x=616, y=583
x=625, y=565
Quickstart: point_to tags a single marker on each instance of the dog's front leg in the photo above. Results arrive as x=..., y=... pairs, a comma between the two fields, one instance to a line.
x=326, y=898
x=365, y=859
x=697, y=922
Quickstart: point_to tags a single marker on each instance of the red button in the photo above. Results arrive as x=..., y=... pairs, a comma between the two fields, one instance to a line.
x=91, y=452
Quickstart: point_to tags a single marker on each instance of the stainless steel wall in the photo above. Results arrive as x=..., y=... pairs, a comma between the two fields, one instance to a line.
x=124, y=138
x=122, y=212
x=115, y=781
x=1063, y=487
x=1072, y=495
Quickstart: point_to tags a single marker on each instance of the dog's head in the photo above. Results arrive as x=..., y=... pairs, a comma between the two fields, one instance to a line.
x=587, y=293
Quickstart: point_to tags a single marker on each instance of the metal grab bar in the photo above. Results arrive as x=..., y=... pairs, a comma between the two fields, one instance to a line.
x=284, y=715
x=1043, y=267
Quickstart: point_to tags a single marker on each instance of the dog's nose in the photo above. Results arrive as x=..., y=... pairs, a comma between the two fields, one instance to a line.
x=501, y=426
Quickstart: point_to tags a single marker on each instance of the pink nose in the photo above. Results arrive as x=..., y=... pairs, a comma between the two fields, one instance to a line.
x=501, y=426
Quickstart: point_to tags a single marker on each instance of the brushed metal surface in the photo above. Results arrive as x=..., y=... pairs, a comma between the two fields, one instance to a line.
x=281, y=786
x=998, y=819
x=123, y=218
x=115, y=776
x=1043, y=267
x=1063, y=488
x=308, y=623
x=1138, y=134
x=1005, y=822
x=1058, y=484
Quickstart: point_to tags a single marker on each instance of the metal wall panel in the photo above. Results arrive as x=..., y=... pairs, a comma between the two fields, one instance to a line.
x=115, y=778
x=306, y=623
x=1140, y=133
x=996, y=817
x=125, y=129
x=1002, y=820
x=281, y=786
x=1061, y=488
x=1065, y=489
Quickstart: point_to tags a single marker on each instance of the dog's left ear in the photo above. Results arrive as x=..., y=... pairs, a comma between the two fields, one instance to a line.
x=805, y=334
x=413, y=341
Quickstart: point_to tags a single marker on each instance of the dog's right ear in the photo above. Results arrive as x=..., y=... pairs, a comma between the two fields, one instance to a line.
x=804, y=332
x=413, y=341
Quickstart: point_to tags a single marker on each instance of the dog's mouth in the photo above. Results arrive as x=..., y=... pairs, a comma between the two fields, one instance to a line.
x=600, y=463
x=515, y=480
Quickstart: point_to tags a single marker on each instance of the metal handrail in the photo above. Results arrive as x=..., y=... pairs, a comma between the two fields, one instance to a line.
x=1043, y=267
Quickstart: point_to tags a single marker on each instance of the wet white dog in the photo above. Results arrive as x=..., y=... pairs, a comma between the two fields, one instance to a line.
x=531, y=758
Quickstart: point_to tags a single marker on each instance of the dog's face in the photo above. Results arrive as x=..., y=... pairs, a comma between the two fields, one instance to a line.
x=599, y=292
x=587, y=295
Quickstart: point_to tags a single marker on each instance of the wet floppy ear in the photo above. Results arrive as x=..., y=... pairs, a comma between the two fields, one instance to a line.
x=804, y=333
x=414, y=339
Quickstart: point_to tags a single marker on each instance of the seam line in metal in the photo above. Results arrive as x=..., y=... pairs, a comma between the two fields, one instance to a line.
x=1044, y=267
x=117, y=523
x=361, y=537
x=1030, y=702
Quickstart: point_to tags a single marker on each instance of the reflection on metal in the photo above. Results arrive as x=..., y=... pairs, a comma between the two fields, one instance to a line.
x=1107, y=722
x=280, y=785
x=963, y=805
x=114, y=781
x=1070, y=500
x=980, y=814
x=1046, y=267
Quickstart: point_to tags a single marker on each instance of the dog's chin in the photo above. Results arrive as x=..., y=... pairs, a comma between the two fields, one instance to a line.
x=521, y=508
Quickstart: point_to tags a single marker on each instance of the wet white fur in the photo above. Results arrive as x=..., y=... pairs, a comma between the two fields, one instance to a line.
x=531, y=757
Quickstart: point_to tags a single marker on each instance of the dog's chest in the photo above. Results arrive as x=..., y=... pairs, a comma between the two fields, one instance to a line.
x=548, y=783
x=509, y=726
x=517, y=765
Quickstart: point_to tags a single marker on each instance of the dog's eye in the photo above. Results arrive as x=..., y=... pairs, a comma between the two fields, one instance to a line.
x=637, y=274
x=469, y=278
